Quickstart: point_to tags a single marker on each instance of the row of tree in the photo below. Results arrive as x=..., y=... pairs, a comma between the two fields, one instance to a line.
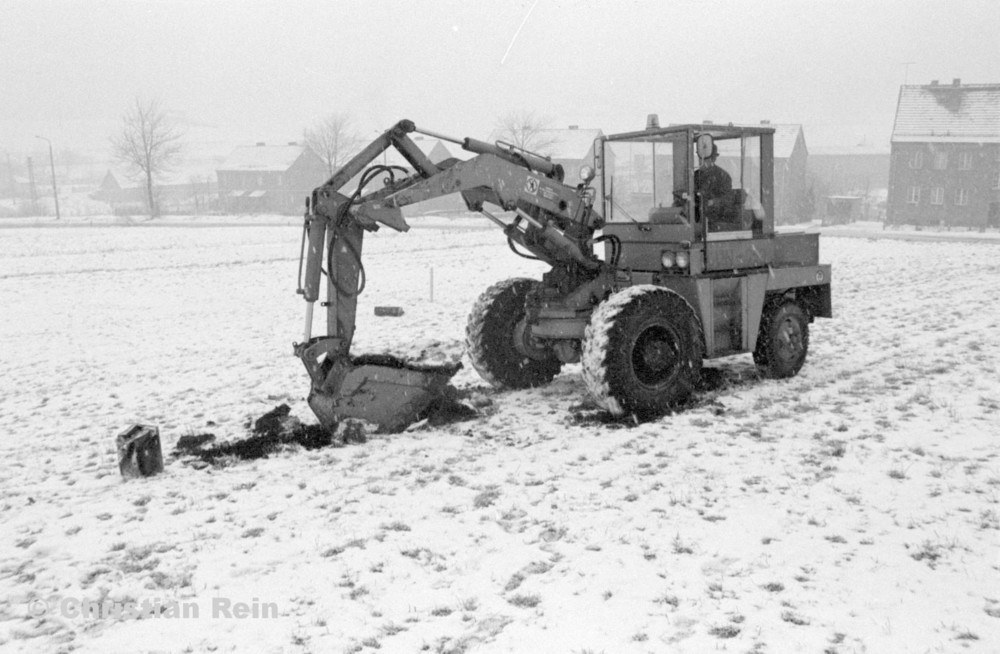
x=149, y=142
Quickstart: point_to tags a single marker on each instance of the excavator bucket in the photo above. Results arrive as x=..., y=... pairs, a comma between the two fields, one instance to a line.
x=382, y=390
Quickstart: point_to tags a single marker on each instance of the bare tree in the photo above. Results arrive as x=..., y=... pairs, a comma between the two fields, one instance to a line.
x=149, y=144
x=525, y=130
x=333, y=139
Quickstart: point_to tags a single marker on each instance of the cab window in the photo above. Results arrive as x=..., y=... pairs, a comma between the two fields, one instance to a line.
x=729, y=197
x=644, y=180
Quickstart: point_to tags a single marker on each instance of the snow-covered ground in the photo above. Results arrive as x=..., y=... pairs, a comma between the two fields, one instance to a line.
x=853, y=508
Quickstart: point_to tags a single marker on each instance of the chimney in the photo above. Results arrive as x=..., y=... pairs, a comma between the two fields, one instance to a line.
x=574, y=127
x=261, y=144
x=293, y=143
x=652, y=121
x=765, y=122
x=957, y=81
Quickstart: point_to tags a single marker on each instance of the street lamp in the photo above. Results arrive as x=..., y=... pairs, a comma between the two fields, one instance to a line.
x=52, y=165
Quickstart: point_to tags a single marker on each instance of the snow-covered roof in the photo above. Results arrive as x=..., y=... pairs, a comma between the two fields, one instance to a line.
x=110, y=182
x=183, y=172
x=862, y=149
x=263, y=157
x=785, y=137
x=431, y=146
x=954, y=112
x=437, y=150
x=572, y=143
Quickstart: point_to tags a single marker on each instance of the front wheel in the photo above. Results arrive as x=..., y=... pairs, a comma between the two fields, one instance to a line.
x=783, y=340
x=642, y=351
x=497, y=343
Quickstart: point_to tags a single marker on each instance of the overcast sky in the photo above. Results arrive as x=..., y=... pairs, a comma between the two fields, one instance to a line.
x=240, y=72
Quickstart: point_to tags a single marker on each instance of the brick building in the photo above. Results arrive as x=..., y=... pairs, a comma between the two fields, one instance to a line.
x=269, y=178
x=849, y=170
x=945, y=156
x=188, y=188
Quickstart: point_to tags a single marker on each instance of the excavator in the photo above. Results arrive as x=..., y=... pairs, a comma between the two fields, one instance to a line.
x=648, y=275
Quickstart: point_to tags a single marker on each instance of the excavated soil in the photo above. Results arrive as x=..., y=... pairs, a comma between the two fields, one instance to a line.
x=277, y=429
x=267, y=434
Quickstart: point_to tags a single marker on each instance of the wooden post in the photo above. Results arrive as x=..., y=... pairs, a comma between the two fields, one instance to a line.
x=139, y=451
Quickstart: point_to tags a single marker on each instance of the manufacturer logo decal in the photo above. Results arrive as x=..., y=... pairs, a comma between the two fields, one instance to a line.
x=531, y=186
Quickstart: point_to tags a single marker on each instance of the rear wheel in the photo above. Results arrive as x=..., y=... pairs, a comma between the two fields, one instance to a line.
x=783, y=340
x=497, y=343
x=642, y=351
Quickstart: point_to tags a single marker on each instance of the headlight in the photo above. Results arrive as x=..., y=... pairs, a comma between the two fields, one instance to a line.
x=682, y=259
x=586, y=174
x=667, y=259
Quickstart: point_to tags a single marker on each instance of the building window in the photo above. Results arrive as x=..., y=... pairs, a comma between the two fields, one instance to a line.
x=940, y=160
x=965, y=161
x=913, y=196
x=937, y=195
x=917, y=159
x=962, y=197
x=996, y=181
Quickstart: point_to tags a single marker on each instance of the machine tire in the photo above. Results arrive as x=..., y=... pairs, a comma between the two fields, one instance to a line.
x=783, y=340
x=490, y=334
x=642, y=351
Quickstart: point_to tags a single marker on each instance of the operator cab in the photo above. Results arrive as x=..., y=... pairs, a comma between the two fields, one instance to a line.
x=712, y=181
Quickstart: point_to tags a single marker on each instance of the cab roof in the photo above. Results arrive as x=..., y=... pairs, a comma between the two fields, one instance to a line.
x=717, y=131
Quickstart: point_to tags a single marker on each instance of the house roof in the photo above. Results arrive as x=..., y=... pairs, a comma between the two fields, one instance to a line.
x=184, y=172
x=785, y=138
x=437, y=150
x=962, y=113
x=859, y=150
x=572, y=143
x=263, y=157
x=110, y=182
x=786, y=135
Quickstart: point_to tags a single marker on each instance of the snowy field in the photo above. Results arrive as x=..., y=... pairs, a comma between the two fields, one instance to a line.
x=854, y=508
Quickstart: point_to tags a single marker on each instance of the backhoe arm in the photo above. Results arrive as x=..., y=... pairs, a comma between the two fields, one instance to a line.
x=554, y=222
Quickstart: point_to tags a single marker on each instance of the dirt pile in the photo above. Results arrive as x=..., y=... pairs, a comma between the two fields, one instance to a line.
x=267, y=434
x=278, y=429
x=448, y=408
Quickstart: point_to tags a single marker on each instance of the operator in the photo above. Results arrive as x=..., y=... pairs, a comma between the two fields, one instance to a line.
x=713, y=185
